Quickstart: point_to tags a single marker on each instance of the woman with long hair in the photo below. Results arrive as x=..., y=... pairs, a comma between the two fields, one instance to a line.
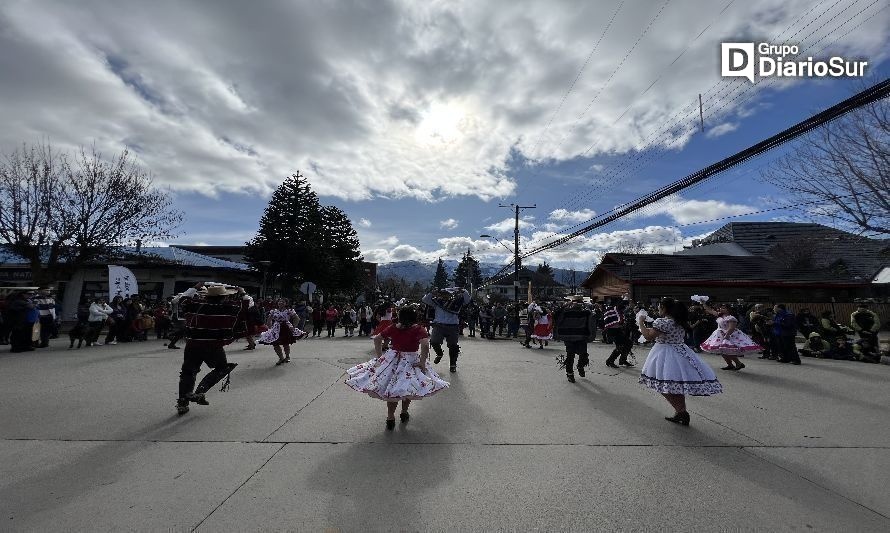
x=399, y=374
x=282, y=332
x=727, y=340
x=672, y=368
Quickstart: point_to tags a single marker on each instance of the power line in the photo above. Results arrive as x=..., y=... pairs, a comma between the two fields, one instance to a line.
x=639, y=160
x=872, y=94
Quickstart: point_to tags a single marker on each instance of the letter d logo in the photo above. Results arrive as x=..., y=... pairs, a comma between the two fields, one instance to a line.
x=737, y=59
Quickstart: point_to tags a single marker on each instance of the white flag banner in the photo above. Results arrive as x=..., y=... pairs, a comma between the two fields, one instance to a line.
x=121, y=282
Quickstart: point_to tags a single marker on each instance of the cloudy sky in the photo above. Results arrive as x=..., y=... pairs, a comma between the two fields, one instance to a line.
x=418, y=118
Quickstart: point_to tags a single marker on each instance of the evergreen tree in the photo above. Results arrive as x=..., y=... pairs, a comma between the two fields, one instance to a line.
x=340, y=249
x=305, y=241
x=468, y=272
x=441, y=279
x=545, y=270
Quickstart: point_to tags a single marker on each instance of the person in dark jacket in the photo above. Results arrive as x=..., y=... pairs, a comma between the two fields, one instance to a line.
x=19, y=309
x=575, y=326
x=806, y=322
x=784, y=331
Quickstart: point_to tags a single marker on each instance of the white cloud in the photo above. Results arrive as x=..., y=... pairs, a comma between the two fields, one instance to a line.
x=562, y=215
x=364, y=222
x=381, y=99
x=684, y=211
x=508, y=225
x=389, y=241
x=721, y=129
x=448, y=224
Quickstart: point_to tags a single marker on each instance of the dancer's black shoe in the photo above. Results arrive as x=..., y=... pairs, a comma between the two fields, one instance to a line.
x=390, y=424
x=581, y=371
x=404, y=416
x=570, y=377
x=453, y=368
x=437, y=359
x=182, y=406
x=197, y=397
x=729, y=367
x=740, y=366
x=679, y=418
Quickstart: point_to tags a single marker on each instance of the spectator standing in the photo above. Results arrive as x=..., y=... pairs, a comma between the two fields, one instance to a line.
x=349, y=320
x=318, y=319
x=331, y=316
x=18, y=309
x=100, y=313
x=785, y=330
x=46, y=306
x=806, y=322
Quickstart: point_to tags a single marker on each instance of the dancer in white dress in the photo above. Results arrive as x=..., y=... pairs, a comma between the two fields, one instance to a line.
x=673, y=368
x=400, y=373
x=282, y=332
x=543, y=331
x=727, y=340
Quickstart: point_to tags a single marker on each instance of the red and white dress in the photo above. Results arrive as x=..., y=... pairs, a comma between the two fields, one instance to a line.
x=282, y=330
x=385, y=322
x=736, y=344
x=393, y=376
x=543, y=328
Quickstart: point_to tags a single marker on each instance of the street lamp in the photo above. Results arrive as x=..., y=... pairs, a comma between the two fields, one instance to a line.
x=265, y=276
x=630, y=263
x=486, y=236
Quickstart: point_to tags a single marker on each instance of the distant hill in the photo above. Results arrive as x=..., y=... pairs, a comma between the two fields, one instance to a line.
x=412, y=271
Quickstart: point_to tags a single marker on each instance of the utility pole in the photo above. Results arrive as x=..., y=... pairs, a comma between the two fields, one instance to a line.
x=516, y=258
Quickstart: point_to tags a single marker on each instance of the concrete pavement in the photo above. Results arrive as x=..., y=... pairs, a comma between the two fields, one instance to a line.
x=89, y=441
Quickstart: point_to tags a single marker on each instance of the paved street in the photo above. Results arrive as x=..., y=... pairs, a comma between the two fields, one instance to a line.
x=89, y=441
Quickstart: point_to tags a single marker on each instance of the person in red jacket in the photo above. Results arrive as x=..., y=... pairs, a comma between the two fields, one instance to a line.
x=331, y=316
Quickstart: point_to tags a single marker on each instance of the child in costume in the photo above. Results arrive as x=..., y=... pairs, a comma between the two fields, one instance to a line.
x=400, y=374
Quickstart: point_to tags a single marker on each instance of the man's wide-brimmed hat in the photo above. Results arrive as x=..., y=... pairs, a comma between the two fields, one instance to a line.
x=575, y=298
x=220, y=290
x=814, y=334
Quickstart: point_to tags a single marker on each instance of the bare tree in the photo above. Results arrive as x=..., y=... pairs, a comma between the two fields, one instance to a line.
x=799, y=255
x=60, y=214
x=842, y=171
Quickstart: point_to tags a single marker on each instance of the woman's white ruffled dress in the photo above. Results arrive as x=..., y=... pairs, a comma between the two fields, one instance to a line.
x=673, y=368
x=737, y=344
x=393, y=377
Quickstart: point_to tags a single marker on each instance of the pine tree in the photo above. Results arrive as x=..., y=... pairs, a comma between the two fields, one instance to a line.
x=468, y=271
x=305, y=241
x=545, y=270
x=340, y=248
x=441, y=279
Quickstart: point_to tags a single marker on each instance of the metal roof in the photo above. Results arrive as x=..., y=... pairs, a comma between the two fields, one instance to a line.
x=153, y=254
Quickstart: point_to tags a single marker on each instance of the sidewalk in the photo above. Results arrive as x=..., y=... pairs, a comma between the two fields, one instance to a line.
x=89, y=441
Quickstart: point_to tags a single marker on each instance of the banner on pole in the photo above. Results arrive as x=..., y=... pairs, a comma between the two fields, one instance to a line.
x=121, y=282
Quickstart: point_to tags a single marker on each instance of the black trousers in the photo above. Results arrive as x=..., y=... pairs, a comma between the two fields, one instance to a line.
x=47, y=326
x=193, y=357
x=622, y=345
x=574, y=348
x=787, y=348
x=447, y=333
x=20, y=338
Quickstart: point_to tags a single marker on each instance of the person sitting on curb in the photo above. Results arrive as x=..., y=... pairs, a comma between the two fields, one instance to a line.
x=815, y=346
x=865, y=351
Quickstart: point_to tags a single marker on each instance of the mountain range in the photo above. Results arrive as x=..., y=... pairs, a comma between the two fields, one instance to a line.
x=412, y=271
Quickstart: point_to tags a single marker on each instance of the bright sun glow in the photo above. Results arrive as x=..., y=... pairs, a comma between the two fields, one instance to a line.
x=440, y=124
